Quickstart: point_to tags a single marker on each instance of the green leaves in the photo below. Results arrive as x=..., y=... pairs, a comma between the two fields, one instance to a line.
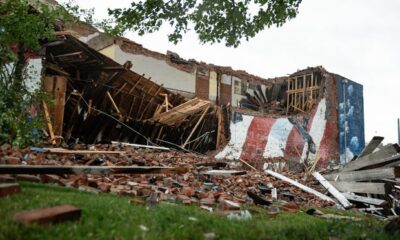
x=228, y=21
x=23, y=27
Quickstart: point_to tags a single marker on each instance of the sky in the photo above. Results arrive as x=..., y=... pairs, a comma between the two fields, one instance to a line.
x=358, y=39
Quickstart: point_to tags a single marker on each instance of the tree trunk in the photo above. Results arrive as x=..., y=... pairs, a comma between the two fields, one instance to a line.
x=18, y=81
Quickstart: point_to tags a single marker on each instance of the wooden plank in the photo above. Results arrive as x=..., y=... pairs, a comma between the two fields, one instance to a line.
x=195, y=127
x=342, y=200
x=120, y=89
x=113, y=104
x=136, y=84
x=94, y=170
x=373, y=160
x=372, y=145
x=56, y=87
x=393, y=161
x=67, y=151
x=49, y=125
x=60, y=88
x=361, y=187
x=365, y=175
x=140, y=146
x=151, y=100
x=224, y=172
x=219, y=127
x=57, y=69
x=175, y=118
x=367, y=200
x=299, y=185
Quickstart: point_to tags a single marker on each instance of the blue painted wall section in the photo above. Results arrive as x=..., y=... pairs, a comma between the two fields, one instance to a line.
x=351, y=118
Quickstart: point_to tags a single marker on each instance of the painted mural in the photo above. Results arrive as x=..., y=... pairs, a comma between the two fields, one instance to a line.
x=351, y=118
x=296, y=138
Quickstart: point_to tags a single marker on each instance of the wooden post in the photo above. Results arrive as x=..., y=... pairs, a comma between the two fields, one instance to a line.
x=114, y=105
x=56, y=87
x=195, y=127
x=49, y=125
x=219, y=128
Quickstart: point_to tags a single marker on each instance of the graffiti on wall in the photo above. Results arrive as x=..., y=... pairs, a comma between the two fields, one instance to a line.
x=294, y=138
x=351, y=119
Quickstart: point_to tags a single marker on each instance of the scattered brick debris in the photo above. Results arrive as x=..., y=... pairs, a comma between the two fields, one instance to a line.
x=192, y=187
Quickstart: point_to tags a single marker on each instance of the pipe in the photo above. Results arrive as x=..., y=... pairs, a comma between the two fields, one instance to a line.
x=398, y=130
x=344, y=116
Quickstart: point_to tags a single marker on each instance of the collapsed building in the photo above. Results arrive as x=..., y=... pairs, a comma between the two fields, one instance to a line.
x=309, y=114
x=323, y=121
x=117, y=90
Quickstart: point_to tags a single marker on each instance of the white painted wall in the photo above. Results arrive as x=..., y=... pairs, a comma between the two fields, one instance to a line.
x=159, y=71
x=32, y=73
x=236, y=97
x=212, y=93
x=238, y=130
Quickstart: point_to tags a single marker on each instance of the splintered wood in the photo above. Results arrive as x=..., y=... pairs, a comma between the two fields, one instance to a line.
x=371, y=179
x=177, y=115
x=104, y=101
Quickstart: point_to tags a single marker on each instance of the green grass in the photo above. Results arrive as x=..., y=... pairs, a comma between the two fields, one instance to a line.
x=110, y=217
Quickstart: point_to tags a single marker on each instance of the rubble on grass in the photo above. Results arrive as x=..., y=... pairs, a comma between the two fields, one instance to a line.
x=193, y=187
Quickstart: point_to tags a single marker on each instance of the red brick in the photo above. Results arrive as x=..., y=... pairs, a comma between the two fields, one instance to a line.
x=28, y=178
x=49, y=215
x=187, y=191
x=7, y=189
x=11, y=160
x=228, y=205
x=7, y=178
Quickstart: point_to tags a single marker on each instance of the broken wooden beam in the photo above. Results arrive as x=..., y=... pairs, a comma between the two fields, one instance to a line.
x=224, y=172
x=114, y=104
x=342, y=200
x=367, y=200
x=140, y=145
x=95, y=170
x=67, y=151
x=195, y=127
x=361, y=187
x=373, y=160
x=365, y=175
x=49, y=215
x=49, y=125
x=372, y=145
x=299, y=185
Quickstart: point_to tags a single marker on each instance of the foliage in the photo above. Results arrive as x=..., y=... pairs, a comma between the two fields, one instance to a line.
x=19, y=119
x=105, y=216
x=213, y=21
x=23, y=28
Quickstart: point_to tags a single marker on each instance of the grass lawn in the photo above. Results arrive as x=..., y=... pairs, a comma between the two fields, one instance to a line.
x=106, y=216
